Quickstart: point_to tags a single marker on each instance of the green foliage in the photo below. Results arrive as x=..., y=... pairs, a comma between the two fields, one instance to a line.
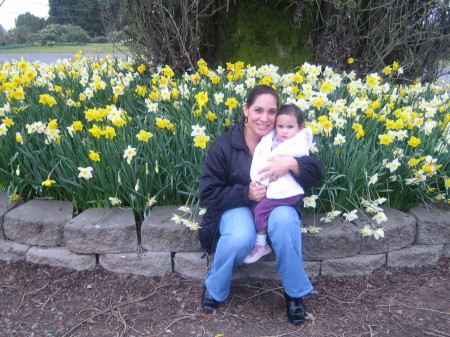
x=55, y=33
x=83, y=13
x=32, y=22
x=260, y=33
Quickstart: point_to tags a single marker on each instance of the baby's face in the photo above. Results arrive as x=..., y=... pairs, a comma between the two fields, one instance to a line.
x=287, y=127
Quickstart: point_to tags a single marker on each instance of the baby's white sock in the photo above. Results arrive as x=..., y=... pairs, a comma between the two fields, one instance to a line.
x=261, y=239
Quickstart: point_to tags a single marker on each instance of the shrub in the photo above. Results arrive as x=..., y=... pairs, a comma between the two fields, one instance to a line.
x=63, y=34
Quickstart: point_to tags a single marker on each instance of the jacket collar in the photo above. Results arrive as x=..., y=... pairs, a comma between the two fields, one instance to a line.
x=237, y=139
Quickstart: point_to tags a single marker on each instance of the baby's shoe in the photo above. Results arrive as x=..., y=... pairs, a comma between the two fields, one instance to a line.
x=257, y=252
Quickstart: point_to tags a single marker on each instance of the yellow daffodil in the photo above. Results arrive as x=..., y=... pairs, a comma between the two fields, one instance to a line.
x=48, y=183
x=144, y=135
x=414, y=142
x=201, y=141
x=94, y=156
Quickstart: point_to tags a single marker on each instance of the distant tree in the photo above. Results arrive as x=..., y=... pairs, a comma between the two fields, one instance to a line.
x=2, y=30
x=32, y=22
x=415, y=33
x=112, y=15
x=20, y=35
x=168, y=32
x=83, y=13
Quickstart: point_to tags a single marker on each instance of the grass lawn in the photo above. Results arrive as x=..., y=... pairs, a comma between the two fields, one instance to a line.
x=93, y=48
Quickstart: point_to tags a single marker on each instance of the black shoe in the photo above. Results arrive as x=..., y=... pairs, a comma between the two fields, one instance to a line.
x=208, y=302
x=295, y=310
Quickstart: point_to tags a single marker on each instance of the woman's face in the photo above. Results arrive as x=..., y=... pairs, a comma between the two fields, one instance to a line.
x=261, y=115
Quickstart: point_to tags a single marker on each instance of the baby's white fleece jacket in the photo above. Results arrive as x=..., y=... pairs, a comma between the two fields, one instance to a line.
x=297, y=146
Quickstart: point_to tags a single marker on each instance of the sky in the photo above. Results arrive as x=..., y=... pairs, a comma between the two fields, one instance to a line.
x=11, y=9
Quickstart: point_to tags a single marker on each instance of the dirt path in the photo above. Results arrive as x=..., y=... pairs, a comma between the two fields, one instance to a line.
x=44, y=301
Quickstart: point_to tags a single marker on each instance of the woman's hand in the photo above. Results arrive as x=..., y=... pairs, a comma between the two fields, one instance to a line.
x=256, y=191
x=278, y=167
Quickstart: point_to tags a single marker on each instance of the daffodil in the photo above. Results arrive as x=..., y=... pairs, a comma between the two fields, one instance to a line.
x=310, y=201
x=201, y=141
x=176, y=218
x=366, y=231
x=3, y=129
x=414, y=142
x=378, y=233
x=115, y=201
x=144, y=135
x=380, y=217
x=198, y=130
x=95, y=156
x=85, y=172
x=185, y=209
x=231, y=102
x=350, y=216
x=48, y=182
x=129, y=153
x=151, y=201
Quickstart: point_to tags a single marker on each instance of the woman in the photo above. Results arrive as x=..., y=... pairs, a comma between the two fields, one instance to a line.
x=228, y=193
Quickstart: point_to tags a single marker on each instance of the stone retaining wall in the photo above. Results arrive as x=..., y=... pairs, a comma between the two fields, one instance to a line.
x=47, y=232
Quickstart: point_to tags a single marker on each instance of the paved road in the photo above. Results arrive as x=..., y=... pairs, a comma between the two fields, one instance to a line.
x=50, y=58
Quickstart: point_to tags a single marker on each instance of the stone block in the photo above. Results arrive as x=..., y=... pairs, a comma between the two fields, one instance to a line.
x=446, y=250
x=433, y=225
x=148, y=264
x=160, y=234
x=415, y=256
x=358, y=265
x=60, y=257
x=12, y=251
x=191, y=264
x=6, y=205
x=38, y=222
x=102, y=231
x=399, y=232
x=336, y=239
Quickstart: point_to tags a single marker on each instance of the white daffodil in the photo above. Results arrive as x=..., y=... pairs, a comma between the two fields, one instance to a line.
x=198, y=130
x=380, y=217
x=129, y=153
x=310, y=201
x=366, y=231
x=350, y=216
x=115, y=201
x=378, y=233
x=85, y=172
x=184, y=209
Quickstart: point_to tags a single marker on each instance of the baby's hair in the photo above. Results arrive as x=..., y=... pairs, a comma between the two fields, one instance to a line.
x=292, y=110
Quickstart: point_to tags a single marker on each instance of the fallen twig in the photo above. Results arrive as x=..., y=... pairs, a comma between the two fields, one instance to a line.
x=440, y=332
x=411, y=307
x=48, y=299
x=246, y=321
x=34, y=291
x=177, y=320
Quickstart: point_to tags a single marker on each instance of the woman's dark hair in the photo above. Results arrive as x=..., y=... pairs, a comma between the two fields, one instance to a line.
x=292, y=110
x=261, y=90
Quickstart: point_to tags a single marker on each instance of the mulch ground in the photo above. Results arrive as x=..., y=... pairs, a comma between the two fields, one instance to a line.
x=38, y=300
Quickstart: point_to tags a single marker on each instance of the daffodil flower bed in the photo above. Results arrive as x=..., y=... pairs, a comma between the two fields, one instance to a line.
x=112, y=133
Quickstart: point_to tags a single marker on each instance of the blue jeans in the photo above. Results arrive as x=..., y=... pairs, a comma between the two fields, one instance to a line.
x=238, y=235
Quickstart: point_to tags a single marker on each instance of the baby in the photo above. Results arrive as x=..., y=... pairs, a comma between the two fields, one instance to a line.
x=290, y=138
